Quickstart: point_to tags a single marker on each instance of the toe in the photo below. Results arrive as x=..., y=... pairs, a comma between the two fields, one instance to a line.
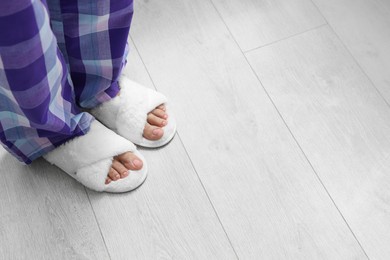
x=108, y=180
x=152, y=132
x=162, y=107
x=130, y=161
x=120, y=168
x=160, y=113
x=155, y=120
x=113, y=174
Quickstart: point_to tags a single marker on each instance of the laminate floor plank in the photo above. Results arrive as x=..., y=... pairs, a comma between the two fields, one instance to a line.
x=363, y=26
x=255, y=23
x=45, y=214
x=340, y=121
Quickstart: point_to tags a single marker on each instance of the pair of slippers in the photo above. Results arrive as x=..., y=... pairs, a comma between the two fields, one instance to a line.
x=88, y=158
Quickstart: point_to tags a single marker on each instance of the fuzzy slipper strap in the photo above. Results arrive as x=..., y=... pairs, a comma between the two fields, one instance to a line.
x=98, y=144
x=127, y=113
x=88, y=158
x=136, y=102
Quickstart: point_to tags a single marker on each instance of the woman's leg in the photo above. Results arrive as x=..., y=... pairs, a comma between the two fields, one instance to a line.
x=94, y=37
x=37, y=107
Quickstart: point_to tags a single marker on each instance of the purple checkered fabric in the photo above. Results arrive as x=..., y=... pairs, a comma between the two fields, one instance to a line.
x=56, y=57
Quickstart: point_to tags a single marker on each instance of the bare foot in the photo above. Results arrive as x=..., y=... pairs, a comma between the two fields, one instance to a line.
x=156, y=119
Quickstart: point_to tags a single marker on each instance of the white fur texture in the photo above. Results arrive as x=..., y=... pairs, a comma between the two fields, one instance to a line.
x=126, y=114
x=95, y=175
x=88, y=158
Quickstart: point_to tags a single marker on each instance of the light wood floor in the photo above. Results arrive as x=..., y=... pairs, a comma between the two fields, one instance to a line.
x=282, y=151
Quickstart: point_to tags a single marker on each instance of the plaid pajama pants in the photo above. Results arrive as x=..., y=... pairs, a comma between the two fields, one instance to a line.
x=56, y=58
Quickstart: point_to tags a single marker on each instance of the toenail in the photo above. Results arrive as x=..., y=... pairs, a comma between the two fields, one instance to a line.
x=128, y=165
x=125, y=174
x=156, y=131
x=164, y=122
x=165, y=116
x=137, y=163
x=117, y=176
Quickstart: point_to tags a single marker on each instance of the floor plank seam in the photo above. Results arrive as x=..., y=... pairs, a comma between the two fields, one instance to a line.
x=307, y=159
x=189, y=158
x=97, y=223
x=311, y=166
x=280, y=115
x=143, y=63
x=282, y=39
x=208, y=197
x=351, y=54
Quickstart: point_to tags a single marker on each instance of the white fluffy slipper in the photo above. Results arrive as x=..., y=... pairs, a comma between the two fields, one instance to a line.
x=126, y=114
x=88, y=158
